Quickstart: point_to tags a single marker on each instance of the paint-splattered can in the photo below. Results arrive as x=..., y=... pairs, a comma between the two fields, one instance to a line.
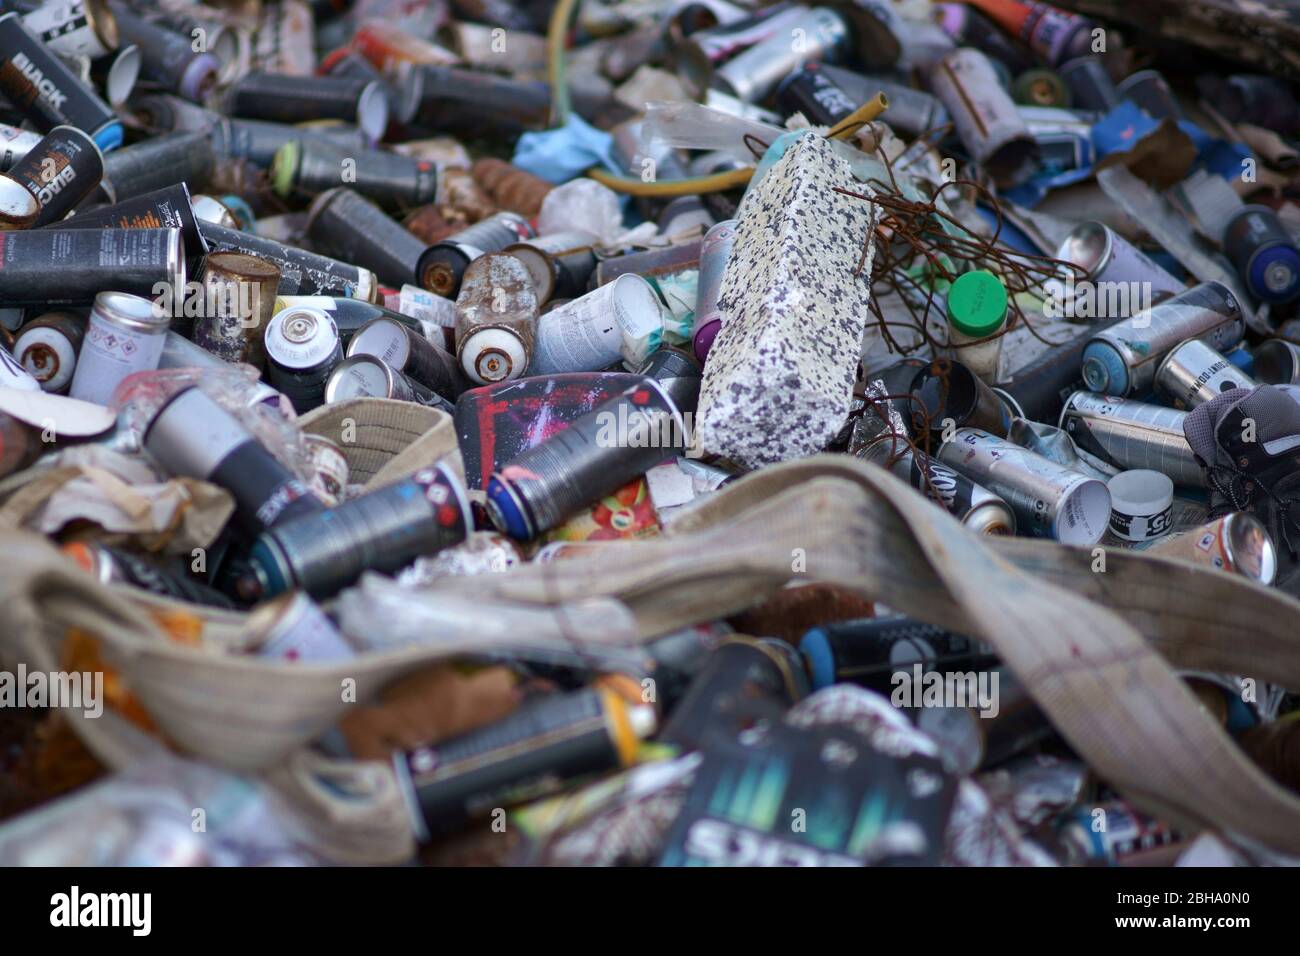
x=1122, y=360
x=238, y=303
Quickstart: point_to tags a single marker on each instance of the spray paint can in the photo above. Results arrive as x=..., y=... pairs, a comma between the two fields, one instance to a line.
x=1091, y=87
x=911, y=111
x=715, y=251
x=283, y=98
x=170, y=59
x=753, y=75
x=349, y=315
x=597, y=454
x=1108, y=259
x=703, y=50
x=1194, y=373
x=969, y=28
x=1265, y=255
x=74, y=28
x=1122, y=360
x=124, y=335
x=744, y=673
x=221, y=41
x=1152, y=94
x=167, y=208
x=973, y=505
x=47, y=347
x=368, y=376
x=1277, y=362
x=192, y=436
x=383, y=530
x=301, y=272
x=15, y=143
x=948, y=394
x=1132, y=435
x=443, y=97
x=1049, y=500
x=239, y=301
x=442, y=267
x=159, y=162
x=1238, y=543
x=330, y=469
x=43, y=267
x=496, y=319
x=652, y=263
x=869, y=652
x=38, y=83
x=987, y=121
x=258, y=141
x=60, y=171
x=408, y=352
x=115, y=566
x=561, y=263
x=589, y=333
x=810, y=91
x=343, y=223
x=391, y=180
x=292, y=627
x=534, y=752
x=1054, y=34
x=430, y=310
x=302, y=347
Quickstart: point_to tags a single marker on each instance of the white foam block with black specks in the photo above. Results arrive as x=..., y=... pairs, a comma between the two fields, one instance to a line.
x=780, y=375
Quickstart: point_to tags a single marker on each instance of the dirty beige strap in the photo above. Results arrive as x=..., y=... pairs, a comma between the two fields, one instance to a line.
x=1105, y=687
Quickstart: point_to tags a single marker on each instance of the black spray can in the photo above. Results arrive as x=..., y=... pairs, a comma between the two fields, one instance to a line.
x=153, y=164
x=170, y=59
x=167, y=208
x=282, y=98
x=192, y=436
x=116, y=566
x=258, y=141
x=392, y=180
x=301, y=272
x=443, y=265
x=868, y=652
x=383, y=530
x=60, y=171
x=72, y=266
x=442, y=97
x=343, y=223
x=46, y=91
x=302, y=347
x=812, y=92
x=746, y=680
x=532, y=752
x=410, y=353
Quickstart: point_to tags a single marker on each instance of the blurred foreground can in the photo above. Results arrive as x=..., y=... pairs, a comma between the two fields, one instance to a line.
x=192, y=436
x=125, y=334
x=383, y=530
x=532, y=752
x=868, y=652
x=1237, y=542
x=292, y=627
x=74, y=27
x=1049, y=500
x=1132, y=435
x=1122, y=360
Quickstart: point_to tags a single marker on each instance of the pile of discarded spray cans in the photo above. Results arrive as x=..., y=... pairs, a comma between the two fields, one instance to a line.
x=406, y=409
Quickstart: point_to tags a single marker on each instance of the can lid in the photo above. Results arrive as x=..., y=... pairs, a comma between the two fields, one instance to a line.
x=977, y=303
x=1084, y=513
x=372, y=111
x=385, y=337
x=1249, y=547
x=284, y=166
x=361, y=376
x=492, y=355
x=18, y=207
x=300, y=337
x=199, y=77
x=1141, y=492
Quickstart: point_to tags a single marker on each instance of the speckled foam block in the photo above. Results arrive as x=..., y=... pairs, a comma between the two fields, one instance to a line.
x=779, y=377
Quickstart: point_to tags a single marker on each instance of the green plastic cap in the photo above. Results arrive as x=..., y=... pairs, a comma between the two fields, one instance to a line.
x=284, y=166
x=977, y=304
